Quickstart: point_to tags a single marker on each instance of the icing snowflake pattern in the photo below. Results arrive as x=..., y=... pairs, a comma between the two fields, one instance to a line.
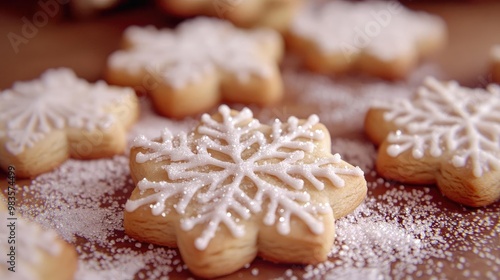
x=447, y=118
x=30, y=110
x=246, y=157
x=197, y=47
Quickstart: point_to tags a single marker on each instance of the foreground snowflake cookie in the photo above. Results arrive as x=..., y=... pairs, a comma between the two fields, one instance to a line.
x=449, y=135
x=30, y=252
x=376, y=37
x=234, y=189
x=191, y=69
x=46, y=121
x=275, y=14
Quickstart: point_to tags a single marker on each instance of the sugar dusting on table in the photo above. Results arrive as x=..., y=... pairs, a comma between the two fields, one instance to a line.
x=403, y=231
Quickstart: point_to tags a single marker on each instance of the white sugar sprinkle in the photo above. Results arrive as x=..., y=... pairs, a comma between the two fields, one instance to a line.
x=402, y=232
x=255, y=271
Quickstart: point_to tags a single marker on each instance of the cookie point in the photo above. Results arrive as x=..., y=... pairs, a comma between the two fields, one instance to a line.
x=477, y=171
x=359, y=171
x=337, y=157
x=314, y=118
x=293, y=120
x=394, y=150
x=130, y=206
x=223, y=108
x=429, y=80
x=201, y=243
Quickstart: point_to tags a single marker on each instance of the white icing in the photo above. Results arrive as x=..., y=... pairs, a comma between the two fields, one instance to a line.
x=31, y=110
x=384, y=29
x=31, y=241
x=446, y=119
x=223, y=192
x=196, y=48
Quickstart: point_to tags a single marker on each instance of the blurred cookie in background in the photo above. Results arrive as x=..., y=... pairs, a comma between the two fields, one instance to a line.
x=206, y=60
x=382, y=39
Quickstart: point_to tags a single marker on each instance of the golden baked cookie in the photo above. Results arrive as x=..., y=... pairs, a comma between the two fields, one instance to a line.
x=448, y=135
x=202, y=62
x=379, y=38
x=234, y=188
x=45, y=121
x=30, y=252
x=275, y=14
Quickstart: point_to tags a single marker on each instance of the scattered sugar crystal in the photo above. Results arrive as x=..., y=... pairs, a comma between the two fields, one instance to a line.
x=395, y=234
x=255, y=271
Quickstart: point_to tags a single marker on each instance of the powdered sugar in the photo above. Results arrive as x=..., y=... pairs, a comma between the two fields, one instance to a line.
x=404, y=231
x=83, y=191
x=125, y=263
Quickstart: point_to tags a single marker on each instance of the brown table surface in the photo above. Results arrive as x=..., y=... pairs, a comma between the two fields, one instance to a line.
x=84, y=45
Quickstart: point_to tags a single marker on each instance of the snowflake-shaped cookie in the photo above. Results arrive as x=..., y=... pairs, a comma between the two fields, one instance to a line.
x=449, y=135
x=45, y=121
x=205, y=60
x=235, y=188
x=31, y=252
x=381, y=38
